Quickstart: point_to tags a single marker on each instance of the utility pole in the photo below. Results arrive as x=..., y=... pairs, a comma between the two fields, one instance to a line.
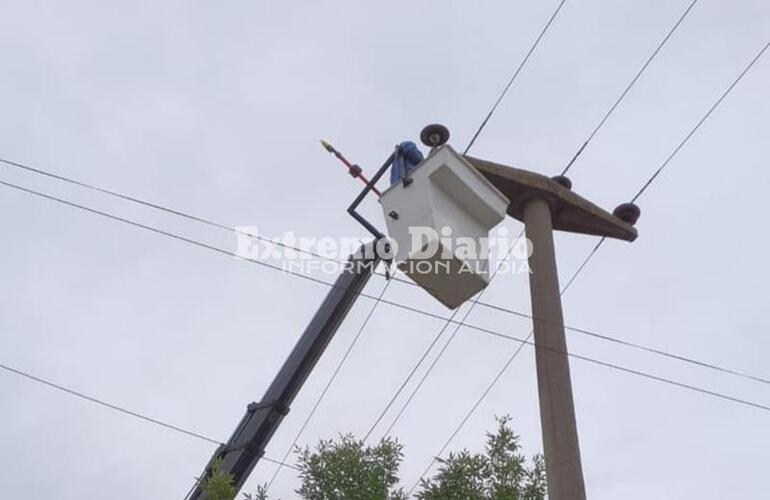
x=545, y=205
x=557, y=411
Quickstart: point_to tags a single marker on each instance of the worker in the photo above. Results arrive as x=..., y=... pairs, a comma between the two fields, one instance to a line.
x=407, y=157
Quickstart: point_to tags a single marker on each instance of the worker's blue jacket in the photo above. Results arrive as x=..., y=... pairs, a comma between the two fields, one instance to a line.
x=407, y=157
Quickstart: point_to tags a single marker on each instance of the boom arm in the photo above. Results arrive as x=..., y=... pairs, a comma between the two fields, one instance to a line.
x=247, y=444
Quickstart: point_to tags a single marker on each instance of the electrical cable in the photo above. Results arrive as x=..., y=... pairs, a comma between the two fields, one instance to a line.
x=596, y=248
x=629, y=86
x=700, y=122
x=162, y=208
x=117, y=408
x=438, y=356
x=413, y=309
x=410, y=375
x=467, y=149
x=473, y=327
x=468, y=415
x=603, y=239
x=515, y=75
x=593, y=252
x=329, y=383
x=206, y=221
x=593, y=133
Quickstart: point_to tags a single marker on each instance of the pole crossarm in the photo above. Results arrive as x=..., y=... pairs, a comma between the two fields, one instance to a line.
x=570, y=211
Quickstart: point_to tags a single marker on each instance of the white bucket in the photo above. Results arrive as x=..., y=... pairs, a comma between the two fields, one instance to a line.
x=448, y=208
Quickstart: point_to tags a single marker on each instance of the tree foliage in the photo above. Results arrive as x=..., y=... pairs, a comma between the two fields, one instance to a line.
x=219, y=486
x=501, y=473
x=348, y=469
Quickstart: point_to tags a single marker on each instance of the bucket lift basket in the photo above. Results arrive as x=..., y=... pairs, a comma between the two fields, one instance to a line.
x=439, y=225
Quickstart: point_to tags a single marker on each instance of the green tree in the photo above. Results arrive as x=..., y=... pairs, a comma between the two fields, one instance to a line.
x=348, y=469
x=219, y=486
x=501, y=473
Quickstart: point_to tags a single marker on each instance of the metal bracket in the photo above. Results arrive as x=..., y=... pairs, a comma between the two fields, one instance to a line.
x=275, y=405
x=369, y=186
x=378, y=235
x=355, y=170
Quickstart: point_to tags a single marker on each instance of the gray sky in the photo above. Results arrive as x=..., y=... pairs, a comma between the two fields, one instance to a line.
x=217, y=108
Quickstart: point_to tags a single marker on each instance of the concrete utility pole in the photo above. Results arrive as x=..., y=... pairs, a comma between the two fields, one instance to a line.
x=545, y=205
x=557, y=411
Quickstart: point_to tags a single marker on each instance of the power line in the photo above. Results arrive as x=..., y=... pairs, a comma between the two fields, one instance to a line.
x=425, y=375
x=526, y=341
x=209, y=222
x=599, y=362
x=174, y=211
x=585, y=262
x=232, y=229
x=437, y=358
x=410, y=375
x=629, y=86
x=278, y=462
x=450, y=320
x=494, y=381
x=473, y=327
x=676, y=150
x=581, y=331
x=601, y=242
x=595, y=249
x=700, y=122
x=424, y=356
x=499, y=375
x=161, y=232
x=229, y=229
x=642, y=347
x=218, y=225
x=515, y=75
x=206, y=246
x=162, y=208
x=329, y=383
x=203, y=220
x=590, y=137
x=105, y=404
x=468, y=415
x=139, y=201
x=117, y=408
x=495, y=333
x=377, y=299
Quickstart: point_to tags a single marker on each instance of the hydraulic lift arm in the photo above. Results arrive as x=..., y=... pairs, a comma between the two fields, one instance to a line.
x=247, y=444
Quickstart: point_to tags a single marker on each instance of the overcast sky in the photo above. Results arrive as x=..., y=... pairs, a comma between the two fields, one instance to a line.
x=216, y=108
